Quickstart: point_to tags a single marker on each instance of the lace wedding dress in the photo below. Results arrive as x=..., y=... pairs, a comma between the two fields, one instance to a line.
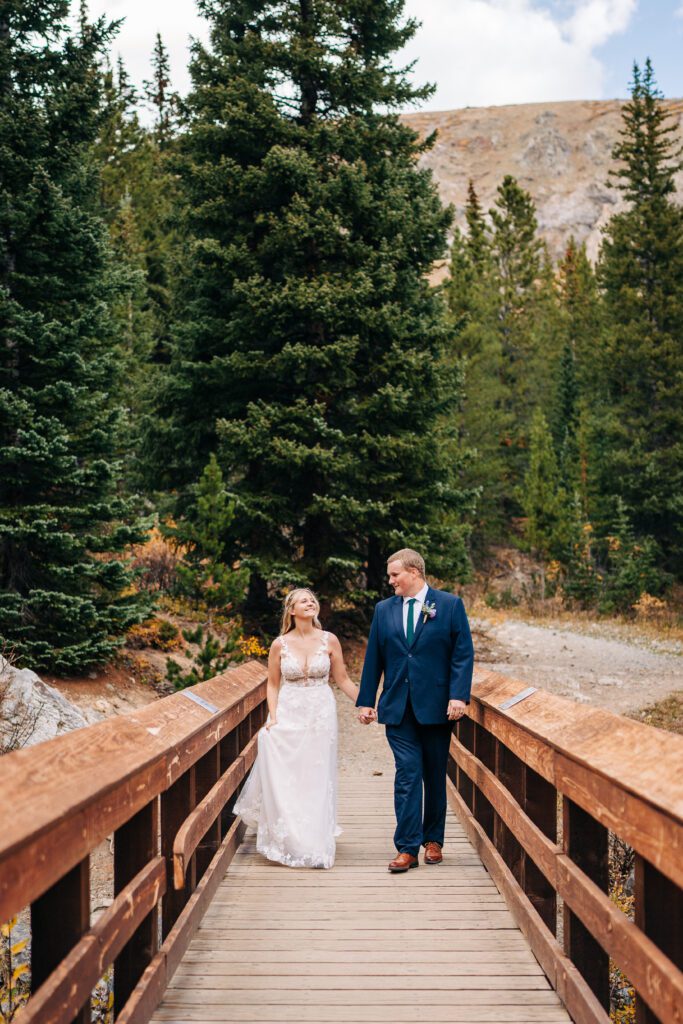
x=290, y=796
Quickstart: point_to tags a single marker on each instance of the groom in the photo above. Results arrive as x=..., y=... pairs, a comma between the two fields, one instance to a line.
x=420, y=640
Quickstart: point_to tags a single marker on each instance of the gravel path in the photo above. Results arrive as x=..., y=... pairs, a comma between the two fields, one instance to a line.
x=594, y=663
x=587, y=663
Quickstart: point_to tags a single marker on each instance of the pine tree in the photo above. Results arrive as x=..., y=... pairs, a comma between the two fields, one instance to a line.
x=641, y=274
x=308, y=342
x=527, y=310
x=204, y=572
x=161, y=97
x=137, y=201
x=542, y=497
x=62, y=525
x=484, y=418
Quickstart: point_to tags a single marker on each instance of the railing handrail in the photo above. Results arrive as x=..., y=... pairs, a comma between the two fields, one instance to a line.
x=572, y=728
x=515, y=765
x=589, y=755
x=61, y=798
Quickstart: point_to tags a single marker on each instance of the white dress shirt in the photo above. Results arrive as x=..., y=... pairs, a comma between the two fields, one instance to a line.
x=419, y=599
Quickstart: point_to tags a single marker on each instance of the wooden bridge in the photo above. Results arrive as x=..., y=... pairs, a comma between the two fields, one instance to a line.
x=516, y=925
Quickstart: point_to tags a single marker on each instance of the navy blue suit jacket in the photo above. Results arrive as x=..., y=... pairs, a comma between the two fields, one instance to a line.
x=436, y=668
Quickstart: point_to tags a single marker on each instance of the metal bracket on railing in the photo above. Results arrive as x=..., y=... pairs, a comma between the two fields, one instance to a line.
x=200, y=700
x=520, y=696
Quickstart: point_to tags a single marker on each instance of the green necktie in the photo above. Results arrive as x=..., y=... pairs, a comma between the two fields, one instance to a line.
x=410, y=630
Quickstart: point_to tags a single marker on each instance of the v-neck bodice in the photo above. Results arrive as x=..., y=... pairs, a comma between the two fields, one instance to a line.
x=314, y=672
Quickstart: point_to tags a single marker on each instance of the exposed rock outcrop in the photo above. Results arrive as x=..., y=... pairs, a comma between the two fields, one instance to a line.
x=559, y=152
x=30, y=710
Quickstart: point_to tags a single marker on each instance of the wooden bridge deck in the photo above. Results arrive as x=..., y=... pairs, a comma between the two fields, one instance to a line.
x=356, y=943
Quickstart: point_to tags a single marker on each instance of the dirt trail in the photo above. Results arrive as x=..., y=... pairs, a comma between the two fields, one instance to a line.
x=593, y=664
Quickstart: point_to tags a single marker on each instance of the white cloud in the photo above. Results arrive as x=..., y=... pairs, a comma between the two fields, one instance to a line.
x=176, y=21
x=479, y=52
x=486, y=52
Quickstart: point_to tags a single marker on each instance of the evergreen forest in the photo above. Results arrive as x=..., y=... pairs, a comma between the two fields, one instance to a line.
x=225, y=370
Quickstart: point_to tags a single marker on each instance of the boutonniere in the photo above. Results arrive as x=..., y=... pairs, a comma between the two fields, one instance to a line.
x=428, y=611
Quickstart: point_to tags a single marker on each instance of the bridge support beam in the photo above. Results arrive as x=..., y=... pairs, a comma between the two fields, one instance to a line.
x=135, y=844
x=58, y=920
x=585, y=842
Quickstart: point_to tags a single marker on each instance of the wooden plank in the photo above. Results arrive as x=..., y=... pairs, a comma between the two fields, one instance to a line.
x=217, y=982
x=362, y=1014
x=384, y=960
x=352, y=941
x=367, y=997
x=382, y=970
x=69, y=986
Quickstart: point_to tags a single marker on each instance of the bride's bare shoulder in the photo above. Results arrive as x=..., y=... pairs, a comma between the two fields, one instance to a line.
x=276, y=645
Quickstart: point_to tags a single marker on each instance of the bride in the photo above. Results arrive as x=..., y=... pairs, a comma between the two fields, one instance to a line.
x=290, y=797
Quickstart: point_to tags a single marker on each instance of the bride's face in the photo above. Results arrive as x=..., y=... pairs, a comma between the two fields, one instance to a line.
x=304, y=607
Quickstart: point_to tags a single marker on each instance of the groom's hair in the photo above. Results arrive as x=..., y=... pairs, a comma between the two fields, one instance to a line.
x=410, y=560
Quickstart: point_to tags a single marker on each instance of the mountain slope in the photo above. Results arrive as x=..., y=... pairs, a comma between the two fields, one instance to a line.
x=559, y=152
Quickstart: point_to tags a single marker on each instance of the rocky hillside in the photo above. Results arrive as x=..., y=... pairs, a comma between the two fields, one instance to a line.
x=559, y=152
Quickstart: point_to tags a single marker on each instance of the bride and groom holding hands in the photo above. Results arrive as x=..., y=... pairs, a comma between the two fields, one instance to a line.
x=420, y=643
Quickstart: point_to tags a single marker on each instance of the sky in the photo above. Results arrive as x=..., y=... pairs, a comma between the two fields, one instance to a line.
x=477, y=52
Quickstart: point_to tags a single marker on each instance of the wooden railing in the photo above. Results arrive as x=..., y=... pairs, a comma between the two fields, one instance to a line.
x=538, y=785
x=162, y=782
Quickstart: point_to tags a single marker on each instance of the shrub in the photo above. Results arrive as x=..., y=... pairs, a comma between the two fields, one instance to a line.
x=156, y=563
x=157, y=633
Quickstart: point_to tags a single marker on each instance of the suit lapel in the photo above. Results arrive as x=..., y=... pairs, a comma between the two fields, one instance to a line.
x=419, y=626
x=397, y=613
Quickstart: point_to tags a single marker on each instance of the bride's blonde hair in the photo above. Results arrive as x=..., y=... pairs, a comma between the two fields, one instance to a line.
x=291, y=599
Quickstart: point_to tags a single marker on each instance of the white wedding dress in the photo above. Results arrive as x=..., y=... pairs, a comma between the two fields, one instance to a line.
x=290, y=796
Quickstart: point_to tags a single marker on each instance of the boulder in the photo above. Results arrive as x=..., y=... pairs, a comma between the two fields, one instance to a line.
x=30, y=710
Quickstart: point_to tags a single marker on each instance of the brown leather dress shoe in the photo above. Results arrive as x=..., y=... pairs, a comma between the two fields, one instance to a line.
x=433, y=854
x=403, y=862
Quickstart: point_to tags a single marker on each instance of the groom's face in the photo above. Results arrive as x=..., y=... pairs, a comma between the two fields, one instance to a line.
x=404, y=581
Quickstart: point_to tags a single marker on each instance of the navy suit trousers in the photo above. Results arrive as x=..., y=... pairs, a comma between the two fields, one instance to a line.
x=421, y=756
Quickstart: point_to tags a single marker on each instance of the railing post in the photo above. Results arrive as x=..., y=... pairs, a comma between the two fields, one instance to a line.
x=135, y=844
x=58, y=920
x=585, y=842
x=658, y=913
x=176, y=803
x=228, y=752
x=540, y=803
x=207, y=771
x=510, y=771
x=465, y=735
x=485, y=750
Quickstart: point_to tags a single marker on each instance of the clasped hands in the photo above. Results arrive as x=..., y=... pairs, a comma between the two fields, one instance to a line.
x=456, y=709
